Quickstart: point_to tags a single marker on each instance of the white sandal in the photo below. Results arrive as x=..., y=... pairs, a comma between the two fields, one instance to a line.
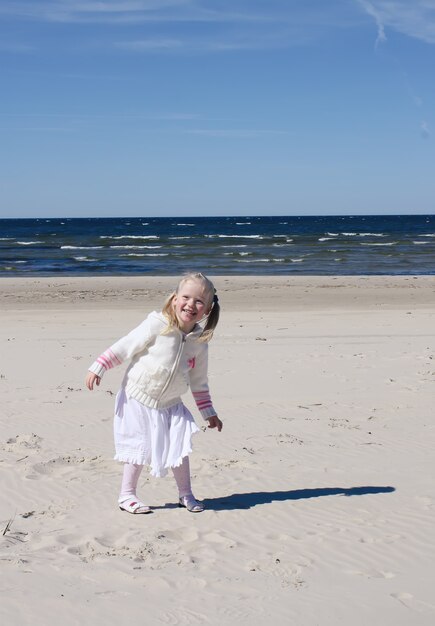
x=192, y=505
x=132, y=505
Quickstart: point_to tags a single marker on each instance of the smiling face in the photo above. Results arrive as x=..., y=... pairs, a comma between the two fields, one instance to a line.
x=191, y=303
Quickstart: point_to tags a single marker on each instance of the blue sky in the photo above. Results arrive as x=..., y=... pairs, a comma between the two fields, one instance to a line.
x=216, y=107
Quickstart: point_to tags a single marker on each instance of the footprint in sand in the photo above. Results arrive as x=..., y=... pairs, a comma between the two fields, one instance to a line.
x=63, y=465
x=403, y=597
x=288, y=574
x=182, y=617
x=23, y=442
x=153, y=554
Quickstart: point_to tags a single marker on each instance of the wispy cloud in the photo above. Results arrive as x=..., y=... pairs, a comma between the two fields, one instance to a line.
x=136, y=11
x=424, y=129
x=374, y=13
x=414, y=18
x=235, y=133
x=190, y=26
x=150, y=45
x=227, y=25
x=217, y=43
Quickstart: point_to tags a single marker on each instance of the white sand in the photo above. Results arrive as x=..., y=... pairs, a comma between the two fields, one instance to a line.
x=319, y=490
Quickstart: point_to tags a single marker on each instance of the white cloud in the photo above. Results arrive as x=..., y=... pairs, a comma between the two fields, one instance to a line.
x=230, y=24
x=424, y=129
x=371, y=10
x=134, y=11
x=150, y=45
x=235, y=133
x=414, y=18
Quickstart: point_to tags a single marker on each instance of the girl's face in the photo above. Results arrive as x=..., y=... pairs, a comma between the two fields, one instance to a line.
x=191, y=304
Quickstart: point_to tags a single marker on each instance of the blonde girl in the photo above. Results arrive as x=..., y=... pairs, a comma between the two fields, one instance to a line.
x=168, y=353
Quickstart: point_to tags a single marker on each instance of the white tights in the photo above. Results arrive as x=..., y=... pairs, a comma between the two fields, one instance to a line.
x=132, y=472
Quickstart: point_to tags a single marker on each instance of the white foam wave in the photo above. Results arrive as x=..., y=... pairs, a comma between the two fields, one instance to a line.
x=372, y=243
x=129, y=237
x=81, y=247
x=181, y=237
x=240, y=245
x=235, y=236
x=28, y=243
x=326, y=238
x=83, y=258
x=146, y=254
x=242, y=223
x=134, y=247
x=428, y=235
x=185, y=224
x=363, y=234
x=421, y=243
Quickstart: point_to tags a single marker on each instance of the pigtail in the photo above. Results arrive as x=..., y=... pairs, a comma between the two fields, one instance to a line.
x=169, y=313
x=212, y=321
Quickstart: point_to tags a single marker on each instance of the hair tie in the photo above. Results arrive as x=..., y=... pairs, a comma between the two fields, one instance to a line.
x=215, y=299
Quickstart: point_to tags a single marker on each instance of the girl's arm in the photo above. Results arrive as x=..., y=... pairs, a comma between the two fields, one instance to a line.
x=123, y=349
x=200, y=390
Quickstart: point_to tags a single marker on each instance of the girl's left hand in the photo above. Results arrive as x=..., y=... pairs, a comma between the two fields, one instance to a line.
x=92, y=378
x=215, y=422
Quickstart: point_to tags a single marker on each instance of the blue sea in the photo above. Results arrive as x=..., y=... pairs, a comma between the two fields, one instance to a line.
x=267, y=245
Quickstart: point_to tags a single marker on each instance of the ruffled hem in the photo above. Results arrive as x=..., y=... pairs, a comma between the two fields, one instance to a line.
x=156, y=472
x=157, y=438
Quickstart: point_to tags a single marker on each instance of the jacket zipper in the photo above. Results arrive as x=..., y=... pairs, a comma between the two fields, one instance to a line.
x=174, y=367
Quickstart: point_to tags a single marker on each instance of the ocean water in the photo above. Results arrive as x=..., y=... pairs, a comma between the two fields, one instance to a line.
x=328, y=245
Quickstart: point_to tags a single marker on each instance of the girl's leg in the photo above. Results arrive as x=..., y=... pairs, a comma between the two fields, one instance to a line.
x=128, y=500
x=182, y=478
x=130, y=479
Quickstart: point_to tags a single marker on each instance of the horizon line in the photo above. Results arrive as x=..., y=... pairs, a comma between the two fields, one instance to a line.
x=250, y=216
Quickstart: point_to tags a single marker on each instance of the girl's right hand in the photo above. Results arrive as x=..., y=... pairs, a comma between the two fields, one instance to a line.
x=92, y=378
x=215, y=422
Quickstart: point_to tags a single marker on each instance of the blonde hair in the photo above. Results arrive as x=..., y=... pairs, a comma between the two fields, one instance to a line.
x=212, y=301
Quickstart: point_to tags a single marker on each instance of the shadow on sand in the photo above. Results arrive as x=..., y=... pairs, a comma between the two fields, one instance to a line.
x=249, y=500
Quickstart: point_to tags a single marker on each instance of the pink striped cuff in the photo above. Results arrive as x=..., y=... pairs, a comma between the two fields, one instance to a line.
x=108, y=360
x=202, y=399
x=203, y=402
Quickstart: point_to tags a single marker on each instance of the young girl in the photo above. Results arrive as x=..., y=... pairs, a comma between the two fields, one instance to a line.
x=168, y=353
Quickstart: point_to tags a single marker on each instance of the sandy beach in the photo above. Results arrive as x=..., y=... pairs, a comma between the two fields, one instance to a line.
x=319, y=491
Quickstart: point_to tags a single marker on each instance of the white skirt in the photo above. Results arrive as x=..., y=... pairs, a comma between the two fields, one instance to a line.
x=160, y=438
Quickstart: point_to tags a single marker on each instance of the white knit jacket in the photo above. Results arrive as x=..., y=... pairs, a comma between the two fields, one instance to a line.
x=162, y=367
